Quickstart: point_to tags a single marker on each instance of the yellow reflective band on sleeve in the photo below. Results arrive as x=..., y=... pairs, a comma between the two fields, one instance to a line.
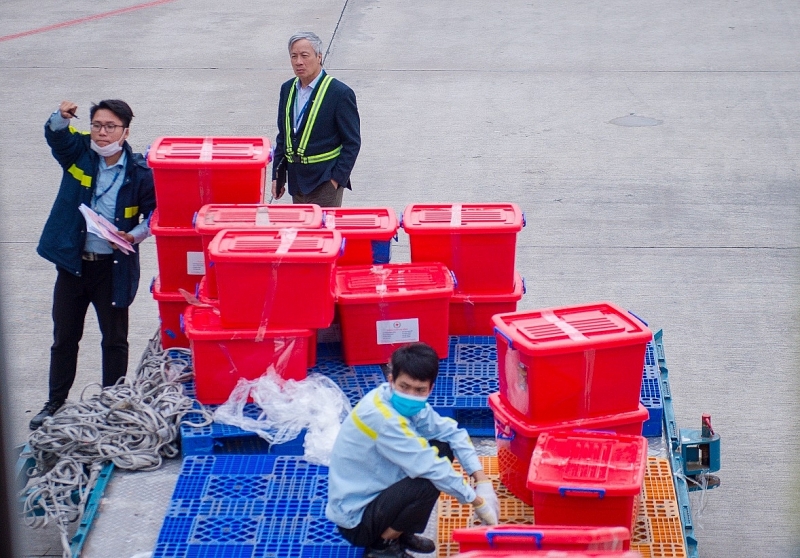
x=75, y=131
x=312, y=115
x=363, y=427
x=131, y=211
x=80, y=176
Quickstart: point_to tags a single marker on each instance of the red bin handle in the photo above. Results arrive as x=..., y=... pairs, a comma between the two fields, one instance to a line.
x=536, y=535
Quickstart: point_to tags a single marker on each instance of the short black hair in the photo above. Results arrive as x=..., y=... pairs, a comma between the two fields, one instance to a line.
x=417, y=360
x=119, y=108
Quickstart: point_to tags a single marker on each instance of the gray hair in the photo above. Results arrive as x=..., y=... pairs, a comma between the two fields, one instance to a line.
x=316, y=42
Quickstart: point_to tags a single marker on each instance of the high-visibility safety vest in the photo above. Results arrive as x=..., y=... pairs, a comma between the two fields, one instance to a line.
x=300, y=155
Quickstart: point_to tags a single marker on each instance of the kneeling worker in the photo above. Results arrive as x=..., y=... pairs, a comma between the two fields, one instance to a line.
x=393, y=456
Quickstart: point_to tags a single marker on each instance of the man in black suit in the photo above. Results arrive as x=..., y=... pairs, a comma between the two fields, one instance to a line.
x=318, y=130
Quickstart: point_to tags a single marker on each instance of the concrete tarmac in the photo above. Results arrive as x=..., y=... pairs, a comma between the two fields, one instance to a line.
x=691, y=222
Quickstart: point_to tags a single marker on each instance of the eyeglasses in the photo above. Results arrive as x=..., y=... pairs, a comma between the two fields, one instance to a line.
x=96, y=126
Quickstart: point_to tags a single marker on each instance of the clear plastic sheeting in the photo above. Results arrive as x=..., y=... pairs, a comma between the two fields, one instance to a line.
x=315, y=404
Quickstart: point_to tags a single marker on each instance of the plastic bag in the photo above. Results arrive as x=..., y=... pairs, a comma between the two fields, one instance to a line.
x=315, y=404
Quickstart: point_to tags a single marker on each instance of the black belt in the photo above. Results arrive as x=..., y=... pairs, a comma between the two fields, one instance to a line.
x=94, y=256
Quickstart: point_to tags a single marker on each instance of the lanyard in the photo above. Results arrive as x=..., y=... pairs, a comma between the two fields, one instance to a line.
x=299, y=117
x=104, y=192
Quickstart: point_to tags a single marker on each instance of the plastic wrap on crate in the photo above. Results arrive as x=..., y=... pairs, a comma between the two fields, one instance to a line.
x=213, y=218
x=368, y=233
x=190, y=172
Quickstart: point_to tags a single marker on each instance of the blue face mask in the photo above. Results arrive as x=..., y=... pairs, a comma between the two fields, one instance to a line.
x=407, y=405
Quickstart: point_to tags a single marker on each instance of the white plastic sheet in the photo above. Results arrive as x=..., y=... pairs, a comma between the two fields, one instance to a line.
x=287, y=407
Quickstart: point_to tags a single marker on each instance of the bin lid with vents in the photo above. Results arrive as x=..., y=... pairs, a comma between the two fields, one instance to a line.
x=598, y=325
x=275, y=246
x=403, y=281
x=213, y=218
x=590, y=464
x=209, y=152
x=462, y=218
x=376, y=223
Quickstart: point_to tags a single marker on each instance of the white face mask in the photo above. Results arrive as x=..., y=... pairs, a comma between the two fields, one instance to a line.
x=108, y=150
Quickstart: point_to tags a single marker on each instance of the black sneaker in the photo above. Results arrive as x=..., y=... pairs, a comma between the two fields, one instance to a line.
x=48, y=410
x=390, y=550
x=416, y=543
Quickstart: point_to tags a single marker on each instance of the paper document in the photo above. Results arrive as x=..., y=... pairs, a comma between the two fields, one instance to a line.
x=99, y=225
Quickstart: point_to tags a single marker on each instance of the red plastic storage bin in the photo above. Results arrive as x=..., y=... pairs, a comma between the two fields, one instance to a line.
x=275, y=278
x=385, y=307
x=170, y=310
x=181, y=262
x=476, y=241
x=471, y=314
x=221, y=356
x=541, y=537
x=587, y=478
x=571, y=362
x=213, y=218
x=516, y=438
x=368, y=233
x=190, y=172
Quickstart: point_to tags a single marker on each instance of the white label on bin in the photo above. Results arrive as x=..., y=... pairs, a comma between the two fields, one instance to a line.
x=397, y=331
x=195, y=264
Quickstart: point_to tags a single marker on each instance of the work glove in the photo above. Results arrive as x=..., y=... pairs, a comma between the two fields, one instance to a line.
x=489, y=511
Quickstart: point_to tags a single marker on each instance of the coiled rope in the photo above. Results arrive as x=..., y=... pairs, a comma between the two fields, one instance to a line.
x=132, y=424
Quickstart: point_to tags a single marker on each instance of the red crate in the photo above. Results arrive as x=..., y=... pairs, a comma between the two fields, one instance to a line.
x=476, y=241
x=471, y=314
x=221, y=356
x=190, y=172
x=212, y=218
x=571, y=362
x=368, y=233
x=516, y=438
x=587, y=478
x=170, y=309
x=277, y=279
x=181, y=263
x=541, y=537
x=385, y=307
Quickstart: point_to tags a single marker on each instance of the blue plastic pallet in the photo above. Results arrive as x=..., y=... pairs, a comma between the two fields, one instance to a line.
x=250, y=506
x=650, y=394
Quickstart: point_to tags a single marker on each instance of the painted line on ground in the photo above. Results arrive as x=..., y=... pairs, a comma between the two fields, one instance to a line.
x=83, y=20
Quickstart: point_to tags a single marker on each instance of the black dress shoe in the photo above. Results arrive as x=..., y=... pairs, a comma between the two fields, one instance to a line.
x=48, y=410
x=391, y=550
x=417, y=543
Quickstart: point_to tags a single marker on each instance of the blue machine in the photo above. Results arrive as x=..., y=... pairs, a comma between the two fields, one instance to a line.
x=700, y=450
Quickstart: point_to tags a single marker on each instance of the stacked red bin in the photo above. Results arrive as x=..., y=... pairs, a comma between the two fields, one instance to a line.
x=478, y=243
x=189, y=172
x=273, y=282
x=563, y=369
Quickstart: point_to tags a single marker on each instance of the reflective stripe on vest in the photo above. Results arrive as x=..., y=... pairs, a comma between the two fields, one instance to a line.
x=131, y=211
x=301, y=157
x=80, y=176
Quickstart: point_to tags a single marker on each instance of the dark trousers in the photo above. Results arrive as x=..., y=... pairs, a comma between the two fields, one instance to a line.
x=324, y=195
x=71, y=298
x=405, y=507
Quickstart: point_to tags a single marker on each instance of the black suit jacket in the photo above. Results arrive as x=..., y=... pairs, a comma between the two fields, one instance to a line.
x=337, y=124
